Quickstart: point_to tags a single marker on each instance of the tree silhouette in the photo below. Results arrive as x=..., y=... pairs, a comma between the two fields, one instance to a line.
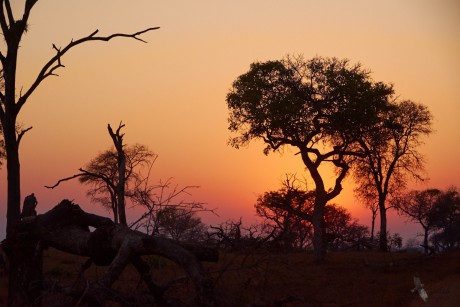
x=391, y=155
x=13, y=29
x=419, y=206
x=114, y=174
x=11, y=102
x=288, y=210
x=446, y=219
x=319, y=106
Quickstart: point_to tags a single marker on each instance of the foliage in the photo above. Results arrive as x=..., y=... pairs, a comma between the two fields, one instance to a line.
x=341, y=229
x=446, y=218
x=181, y=224
x=289, y=211
x=101, y=174
x=419, y=206
x=391, y=156
x=319, y=106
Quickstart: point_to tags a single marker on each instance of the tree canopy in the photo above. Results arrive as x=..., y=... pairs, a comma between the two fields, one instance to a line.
x=320, y=106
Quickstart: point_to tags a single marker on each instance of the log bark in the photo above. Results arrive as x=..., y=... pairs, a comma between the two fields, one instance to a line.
x=66, y=227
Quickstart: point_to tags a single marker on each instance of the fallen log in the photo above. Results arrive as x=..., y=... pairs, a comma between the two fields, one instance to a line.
x=66, y=227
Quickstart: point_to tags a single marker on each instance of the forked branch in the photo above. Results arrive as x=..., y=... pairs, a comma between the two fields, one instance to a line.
x=55, y=62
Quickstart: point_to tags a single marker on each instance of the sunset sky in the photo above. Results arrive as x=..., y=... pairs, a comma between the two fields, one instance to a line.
x=171, y=92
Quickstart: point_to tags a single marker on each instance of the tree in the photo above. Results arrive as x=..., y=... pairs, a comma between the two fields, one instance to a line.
x=418, y=206
x=341, y=229
x=288, y=210
x=446, y=219
x=318, y=106
x=12, y=103
x=180, y=224
x=391, y=154
x=114, y=174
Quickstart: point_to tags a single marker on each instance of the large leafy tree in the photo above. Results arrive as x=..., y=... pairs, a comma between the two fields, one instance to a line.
x=318, y=106
x=392, y=156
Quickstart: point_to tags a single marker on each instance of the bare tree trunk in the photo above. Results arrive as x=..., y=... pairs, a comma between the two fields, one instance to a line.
x=121, y=160
x=25, y=260
x=383, y=241
x=14, y=180
x=425, y=239
x=374, y=216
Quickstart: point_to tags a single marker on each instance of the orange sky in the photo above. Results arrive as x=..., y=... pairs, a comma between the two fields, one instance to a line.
x=171, y=91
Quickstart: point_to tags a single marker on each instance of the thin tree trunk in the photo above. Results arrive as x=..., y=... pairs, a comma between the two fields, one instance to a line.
x=425, y=240
x=383, y=242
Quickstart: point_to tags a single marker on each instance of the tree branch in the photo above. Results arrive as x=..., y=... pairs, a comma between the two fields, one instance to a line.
x=64, y=179
x=55, y=62
x=21, y=134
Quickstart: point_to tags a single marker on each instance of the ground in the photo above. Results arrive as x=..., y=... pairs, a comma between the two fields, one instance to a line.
x=257, y=279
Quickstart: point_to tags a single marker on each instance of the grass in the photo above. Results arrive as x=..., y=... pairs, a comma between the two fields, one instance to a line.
x=346, y=279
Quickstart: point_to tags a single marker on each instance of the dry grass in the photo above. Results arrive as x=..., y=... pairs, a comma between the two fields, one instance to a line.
x=346, y=279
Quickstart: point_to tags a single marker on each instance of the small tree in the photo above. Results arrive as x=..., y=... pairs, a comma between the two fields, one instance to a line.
x=318, y=106
x=288, y=210
x=181, y=225
x=391, y=155
x=342, y=229
x=446, y=218
x=114, y=174
x=419, y=206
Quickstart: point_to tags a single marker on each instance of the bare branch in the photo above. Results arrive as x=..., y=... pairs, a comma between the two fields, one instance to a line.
x=21, y=134
x=65, y=179
x=55, y=62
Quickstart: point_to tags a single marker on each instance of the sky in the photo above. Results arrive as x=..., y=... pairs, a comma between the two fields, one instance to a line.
x=170, y=92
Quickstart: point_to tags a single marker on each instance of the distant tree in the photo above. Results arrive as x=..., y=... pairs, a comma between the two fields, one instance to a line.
x=370, y=199
x=391, y=155
x=393, y=240
x=288, y=210
x=342, y=230
x=181, y=225
x=318, y=106
x=113, y=174
x=419, y=206
x=446, y=218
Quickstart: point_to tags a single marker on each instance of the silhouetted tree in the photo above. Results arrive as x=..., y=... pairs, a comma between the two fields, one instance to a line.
x=180, y=224
x=341, y=229
x=319, y=106
x=289, y=211
x=391, y=154
x=114, y=174
x=446, y=218
x=11, y=103
x=419, y=206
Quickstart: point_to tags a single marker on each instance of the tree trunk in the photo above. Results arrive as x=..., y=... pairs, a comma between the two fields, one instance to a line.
x=14, y=179
x=425, y=239
x=319, y=229
x=383, y=241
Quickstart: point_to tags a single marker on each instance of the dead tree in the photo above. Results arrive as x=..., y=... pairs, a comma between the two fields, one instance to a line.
x=66, y=227
x=117, y=138
x=11, y=102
